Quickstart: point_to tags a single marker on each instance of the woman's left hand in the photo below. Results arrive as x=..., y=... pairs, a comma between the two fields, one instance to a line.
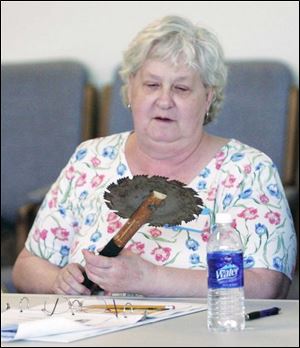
x=126, y=272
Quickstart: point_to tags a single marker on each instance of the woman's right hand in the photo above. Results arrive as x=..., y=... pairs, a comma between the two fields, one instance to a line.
x=69, y=281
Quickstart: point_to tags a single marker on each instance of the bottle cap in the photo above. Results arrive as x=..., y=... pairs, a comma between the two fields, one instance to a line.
x=223, y=218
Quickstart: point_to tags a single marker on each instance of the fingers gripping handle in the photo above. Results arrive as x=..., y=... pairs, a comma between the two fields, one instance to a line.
x=139, y=217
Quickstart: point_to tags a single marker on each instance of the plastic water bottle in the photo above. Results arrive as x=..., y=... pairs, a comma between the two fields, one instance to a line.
x=226, y=308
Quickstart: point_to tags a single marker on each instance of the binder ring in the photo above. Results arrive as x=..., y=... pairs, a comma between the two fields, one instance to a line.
x=22, y=300
x=128, y=307
x=75, y=305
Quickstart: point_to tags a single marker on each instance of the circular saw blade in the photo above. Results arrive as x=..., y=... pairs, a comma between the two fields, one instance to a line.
x=181, y=204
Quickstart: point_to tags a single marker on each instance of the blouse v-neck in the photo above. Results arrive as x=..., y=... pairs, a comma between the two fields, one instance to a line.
x=192, y=182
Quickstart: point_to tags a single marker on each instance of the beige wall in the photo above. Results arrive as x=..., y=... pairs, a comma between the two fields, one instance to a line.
x=96, y=32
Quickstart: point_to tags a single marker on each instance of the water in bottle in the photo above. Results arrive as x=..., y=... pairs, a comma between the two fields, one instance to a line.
x=226, y=309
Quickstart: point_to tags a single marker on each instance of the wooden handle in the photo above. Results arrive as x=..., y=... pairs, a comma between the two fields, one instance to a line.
x=139, y=217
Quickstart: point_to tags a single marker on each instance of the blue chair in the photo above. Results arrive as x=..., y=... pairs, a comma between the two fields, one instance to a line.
x=47, y=109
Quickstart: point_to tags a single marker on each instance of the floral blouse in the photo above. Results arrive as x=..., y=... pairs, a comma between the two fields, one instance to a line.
x=239, y=180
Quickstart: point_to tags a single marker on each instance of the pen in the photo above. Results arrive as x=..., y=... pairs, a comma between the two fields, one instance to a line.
x=262, y=313
x=131, y=307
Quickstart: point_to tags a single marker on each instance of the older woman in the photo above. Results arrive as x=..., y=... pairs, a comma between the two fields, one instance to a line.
x=174, y=75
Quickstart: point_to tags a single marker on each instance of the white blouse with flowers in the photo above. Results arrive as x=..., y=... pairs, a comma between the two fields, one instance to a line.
x=239, y=180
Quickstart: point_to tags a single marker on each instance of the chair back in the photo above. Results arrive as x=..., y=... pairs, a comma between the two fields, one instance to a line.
x=47, y=109
x=259, y=110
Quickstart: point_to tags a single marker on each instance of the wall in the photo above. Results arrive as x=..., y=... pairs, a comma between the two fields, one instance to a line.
x=97, y=32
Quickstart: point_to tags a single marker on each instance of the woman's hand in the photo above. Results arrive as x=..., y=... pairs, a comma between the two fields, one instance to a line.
x=126, y=272
x=68, y=281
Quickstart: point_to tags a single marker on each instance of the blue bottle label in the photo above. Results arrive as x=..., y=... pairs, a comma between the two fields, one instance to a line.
x=225, y=269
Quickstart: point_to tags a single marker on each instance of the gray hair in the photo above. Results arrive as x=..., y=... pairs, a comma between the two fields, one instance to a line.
x=174, y=38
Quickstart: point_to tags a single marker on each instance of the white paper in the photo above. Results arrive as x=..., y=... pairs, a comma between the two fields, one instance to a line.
x=62, y=326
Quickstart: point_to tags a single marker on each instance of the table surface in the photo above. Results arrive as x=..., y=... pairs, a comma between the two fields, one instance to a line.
x=280, y=330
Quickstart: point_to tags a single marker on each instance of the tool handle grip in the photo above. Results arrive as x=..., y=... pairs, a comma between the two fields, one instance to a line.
x=110, y=250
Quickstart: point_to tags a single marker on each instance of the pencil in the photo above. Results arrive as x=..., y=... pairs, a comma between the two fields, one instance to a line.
x=130, y=307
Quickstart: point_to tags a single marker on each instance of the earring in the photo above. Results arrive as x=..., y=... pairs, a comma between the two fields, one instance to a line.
x=129, y=106
x=206, y=118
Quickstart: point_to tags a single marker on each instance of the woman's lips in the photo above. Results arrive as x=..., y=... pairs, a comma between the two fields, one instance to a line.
x=163, y=119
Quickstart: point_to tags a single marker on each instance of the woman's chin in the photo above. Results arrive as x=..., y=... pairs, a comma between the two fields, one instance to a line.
x=163, y=137
x=163, y=134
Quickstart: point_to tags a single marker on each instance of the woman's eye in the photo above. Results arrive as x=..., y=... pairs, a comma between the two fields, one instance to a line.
x=152, y=85
x=181, y=89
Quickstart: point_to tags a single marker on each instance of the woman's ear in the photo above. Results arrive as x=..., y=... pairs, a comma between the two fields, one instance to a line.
x=209, y=97
x=129, y=89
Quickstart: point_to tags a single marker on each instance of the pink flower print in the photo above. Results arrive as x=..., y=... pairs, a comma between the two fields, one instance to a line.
x=97, y=180
x=211, y=196
x=229, y=181
x=273, y=217
x=43, y=234
x=60, y=233
x=161, y=254
x=220, y=155
x=264, y=198
x=70, y=173
x=137, y=248
x=36, y=235
x=205, y=232
x=113, y=226
x=206, y=227
x=112, y=217
x=247, y=168
x=249, y=214
x=95, y=161
x=233, y=223
x=155, y=232
x=205, y=236
x=81, y=180
x=219, y=164
x=52, y=203
x=54, y=191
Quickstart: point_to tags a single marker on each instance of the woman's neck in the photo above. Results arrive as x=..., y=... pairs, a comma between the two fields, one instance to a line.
x=174, y=161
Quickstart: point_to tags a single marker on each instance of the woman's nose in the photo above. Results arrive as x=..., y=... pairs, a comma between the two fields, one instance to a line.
x=165, y=99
